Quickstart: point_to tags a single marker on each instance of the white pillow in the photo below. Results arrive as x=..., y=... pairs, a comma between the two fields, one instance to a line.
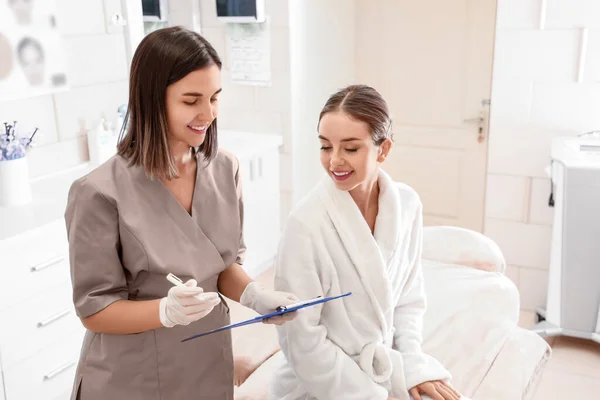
x=454, y=245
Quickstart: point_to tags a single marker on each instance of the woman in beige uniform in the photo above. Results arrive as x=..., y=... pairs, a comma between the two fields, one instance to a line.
x=169, y=201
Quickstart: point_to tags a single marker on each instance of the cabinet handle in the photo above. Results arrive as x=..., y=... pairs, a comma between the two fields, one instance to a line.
x=59, y=370
x=252, y=172
x=260, y=167
x=54, y=318
x=54, y=261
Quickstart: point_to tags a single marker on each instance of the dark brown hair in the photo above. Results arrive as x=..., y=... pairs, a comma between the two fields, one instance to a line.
x=163, y=57
x=365, y=104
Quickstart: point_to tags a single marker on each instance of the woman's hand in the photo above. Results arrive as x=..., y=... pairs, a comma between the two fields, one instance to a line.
x=186, y=304
x=437, y=390
x=264, y=301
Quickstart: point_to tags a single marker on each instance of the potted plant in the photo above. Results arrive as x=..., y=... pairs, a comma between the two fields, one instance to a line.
x=14, y=170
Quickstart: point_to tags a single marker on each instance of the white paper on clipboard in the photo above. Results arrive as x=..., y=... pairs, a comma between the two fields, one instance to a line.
x=249, y=48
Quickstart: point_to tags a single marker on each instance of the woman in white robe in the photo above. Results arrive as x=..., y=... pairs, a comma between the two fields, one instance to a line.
x=357, y=231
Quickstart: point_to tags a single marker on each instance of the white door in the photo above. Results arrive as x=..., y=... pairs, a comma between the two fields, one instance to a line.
x=432, y=61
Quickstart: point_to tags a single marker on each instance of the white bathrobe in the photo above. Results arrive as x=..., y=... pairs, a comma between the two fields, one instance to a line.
x=366, y=346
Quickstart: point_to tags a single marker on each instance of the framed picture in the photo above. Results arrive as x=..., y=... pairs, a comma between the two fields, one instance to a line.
x=32, y=58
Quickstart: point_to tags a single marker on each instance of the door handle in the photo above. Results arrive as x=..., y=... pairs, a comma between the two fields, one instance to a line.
x=480, y=121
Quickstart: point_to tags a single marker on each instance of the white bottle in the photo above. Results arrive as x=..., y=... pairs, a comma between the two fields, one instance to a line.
x=118, y=124
x=100, y=144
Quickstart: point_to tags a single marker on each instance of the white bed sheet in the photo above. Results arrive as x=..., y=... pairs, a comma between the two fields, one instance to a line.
x=471, y=327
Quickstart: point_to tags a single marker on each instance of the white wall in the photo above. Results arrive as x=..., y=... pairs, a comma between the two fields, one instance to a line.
x=185, y=13
x=322, y=47
x=95, y=52
x=257, y=108
x=535, y=97
x=312, y=55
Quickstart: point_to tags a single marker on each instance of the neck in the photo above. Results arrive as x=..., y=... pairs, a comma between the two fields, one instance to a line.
x=182, y=153
x=366, y=195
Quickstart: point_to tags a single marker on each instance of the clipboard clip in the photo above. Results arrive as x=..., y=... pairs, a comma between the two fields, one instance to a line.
x=298, y=304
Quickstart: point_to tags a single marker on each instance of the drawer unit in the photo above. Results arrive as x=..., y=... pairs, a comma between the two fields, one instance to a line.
x=38, y=259
x=42, y=320
x=47, y=374
x=41, y=340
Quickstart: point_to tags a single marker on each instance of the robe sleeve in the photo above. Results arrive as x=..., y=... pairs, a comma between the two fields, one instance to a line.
x=408, y=316
x=323, y=368
x=97, y=274
x=241, y=255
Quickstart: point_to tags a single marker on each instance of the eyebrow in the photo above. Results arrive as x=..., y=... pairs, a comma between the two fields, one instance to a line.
x=196, y=94
x=343, y=140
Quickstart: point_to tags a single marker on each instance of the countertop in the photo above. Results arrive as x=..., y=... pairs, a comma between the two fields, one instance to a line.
x=48, y=205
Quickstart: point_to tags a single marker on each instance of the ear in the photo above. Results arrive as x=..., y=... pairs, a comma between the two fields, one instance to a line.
x=384, y=150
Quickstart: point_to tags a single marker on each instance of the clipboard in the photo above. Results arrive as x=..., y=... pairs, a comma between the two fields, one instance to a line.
x=281, y=311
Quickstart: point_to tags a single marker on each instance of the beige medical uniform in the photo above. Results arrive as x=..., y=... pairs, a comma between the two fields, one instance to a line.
x=126, y=233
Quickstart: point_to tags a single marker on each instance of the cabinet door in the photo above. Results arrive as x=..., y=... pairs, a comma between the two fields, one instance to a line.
x=268, y=199
x=251, y=220
x=261, y=209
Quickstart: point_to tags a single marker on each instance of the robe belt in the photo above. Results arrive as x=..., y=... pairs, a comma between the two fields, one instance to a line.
x=375, y=361
x=384, y=364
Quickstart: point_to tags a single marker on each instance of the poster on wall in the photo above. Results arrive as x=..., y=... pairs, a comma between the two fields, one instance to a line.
x=32, y=58
x=249, y=49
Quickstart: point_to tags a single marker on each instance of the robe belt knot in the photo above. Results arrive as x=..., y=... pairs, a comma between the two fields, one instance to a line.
x=375, y=361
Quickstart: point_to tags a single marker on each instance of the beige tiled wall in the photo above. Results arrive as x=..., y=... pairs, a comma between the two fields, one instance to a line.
x=535, y=97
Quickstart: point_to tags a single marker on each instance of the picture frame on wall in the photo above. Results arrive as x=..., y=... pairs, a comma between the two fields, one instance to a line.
x=32, y=56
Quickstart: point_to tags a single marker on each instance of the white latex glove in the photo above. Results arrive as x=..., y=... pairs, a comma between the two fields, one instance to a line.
x=186, y=304
x=264, y=301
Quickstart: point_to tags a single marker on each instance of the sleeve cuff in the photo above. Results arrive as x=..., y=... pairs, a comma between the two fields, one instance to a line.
x=419, y=368
x=96, y=304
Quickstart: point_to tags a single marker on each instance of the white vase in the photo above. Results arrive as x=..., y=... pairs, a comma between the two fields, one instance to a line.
x=14, y=183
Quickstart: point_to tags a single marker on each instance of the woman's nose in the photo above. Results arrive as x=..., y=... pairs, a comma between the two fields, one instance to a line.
x=206, y=112
x=336, y=160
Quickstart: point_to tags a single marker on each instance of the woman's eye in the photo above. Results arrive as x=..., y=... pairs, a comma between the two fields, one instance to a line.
x=325, y=148
x=351, y=150
x=190, y=103
x=214, y=100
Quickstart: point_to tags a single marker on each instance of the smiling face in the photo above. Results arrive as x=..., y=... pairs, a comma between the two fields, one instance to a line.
x=348, y=152
x=174, y=83
x=192, y=105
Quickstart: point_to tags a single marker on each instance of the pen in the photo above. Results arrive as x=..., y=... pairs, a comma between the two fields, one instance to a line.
x=178, y=282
